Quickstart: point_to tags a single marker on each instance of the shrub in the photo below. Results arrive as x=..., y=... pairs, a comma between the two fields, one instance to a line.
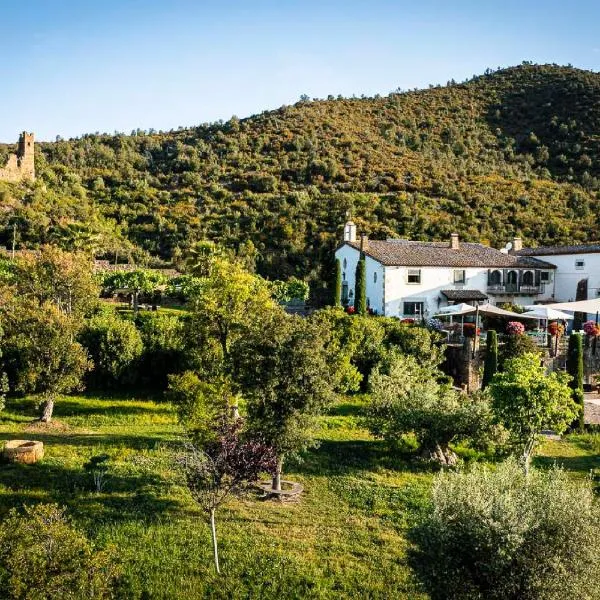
x=515, y=346
x=162, y=338
x=591, y=329
x=555, y=328
x=469, y=330
x=114, y=345
x=43, y=557
x=515, y=328
x=491, y=358
x=575, y=370
x=495, y=534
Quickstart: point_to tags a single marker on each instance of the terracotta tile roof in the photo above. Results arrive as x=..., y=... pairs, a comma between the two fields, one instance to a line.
x=550, y=250
x=407, y=253
x=464, y=295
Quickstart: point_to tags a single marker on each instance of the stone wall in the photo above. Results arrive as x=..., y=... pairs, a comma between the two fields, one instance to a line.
x=22, y=164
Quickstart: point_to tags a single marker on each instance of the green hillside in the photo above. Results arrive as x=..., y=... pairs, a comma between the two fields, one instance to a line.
x=512, y=151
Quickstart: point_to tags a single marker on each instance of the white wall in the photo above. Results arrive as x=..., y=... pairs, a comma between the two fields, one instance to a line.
x=374, y=288
x=388, y=294
x=567, y=277
x=433, y=281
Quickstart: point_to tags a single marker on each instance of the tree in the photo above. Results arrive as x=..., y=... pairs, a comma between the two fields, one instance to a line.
x=202, y=256
x=224, y=466
x=42, y=353
x=62, y=278
x=526, y=400
x=360, y=287
x=407, y=397
x=42, y=555
x=495, y=533
x=286, y=383
x=491, y=358
x=140, y=281
x=337, y=287
x=226, y=305
x=114, y=345
x=575, y=370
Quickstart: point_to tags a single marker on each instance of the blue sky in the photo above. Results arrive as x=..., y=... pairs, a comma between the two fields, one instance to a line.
x=71, y=67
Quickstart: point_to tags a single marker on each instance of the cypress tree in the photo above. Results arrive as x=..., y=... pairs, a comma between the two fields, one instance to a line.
x=337, y=290
x=575, y=369
x=360, y=287
x=491, y=358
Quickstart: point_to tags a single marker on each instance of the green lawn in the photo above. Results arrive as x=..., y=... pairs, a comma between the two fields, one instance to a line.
x=346, y=538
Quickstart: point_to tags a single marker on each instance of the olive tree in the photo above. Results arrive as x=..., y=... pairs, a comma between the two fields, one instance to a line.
x=527, y=400
x=495, y=533
x=409, y=397
x=282, y=367
x=42, y=354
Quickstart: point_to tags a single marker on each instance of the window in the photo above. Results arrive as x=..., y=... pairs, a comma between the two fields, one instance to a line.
x=344, y=276
x=579, y=264
x=495, y=278
x=413, y=309
x=527, y=278
x=414, y=276
x=459, y=276
x=345, y=263
x=375, y=277
x=545, y=276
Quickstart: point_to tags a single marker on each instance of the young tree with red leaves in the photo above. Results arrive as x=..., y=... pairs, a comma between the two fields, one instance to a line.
x=224, y=466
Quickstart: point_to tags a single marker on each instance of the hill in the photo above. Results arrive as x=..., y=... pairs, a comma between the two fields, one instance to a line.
x=515, y=151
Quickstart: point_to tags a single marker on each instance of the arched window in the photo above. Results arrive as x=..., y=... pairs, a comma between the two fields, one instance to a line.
x=512, y=278
x=345, y=263
x=375, y=277
x=495, y=278
x=528, y=278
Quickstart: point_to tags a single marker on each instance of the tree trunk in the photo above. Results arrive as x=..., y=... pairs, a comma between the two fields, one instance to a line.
x=277, y=476
x=213, y=530
x=440, y=453
x=47, y=411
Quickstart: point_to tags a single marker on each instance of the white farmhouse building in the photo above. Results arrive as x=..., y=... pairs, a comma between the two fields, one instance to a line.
x=413, y=279
x=577, y=269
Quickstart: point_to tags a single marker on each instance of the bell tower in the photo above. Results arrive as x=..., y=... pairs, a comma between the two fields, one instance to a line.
x=349, y=232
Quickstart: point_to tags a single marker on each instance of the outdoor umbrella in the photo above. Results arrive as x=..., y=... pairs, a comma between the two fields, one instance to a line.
x=454, y=309
x=546, y=313
x=584, y=306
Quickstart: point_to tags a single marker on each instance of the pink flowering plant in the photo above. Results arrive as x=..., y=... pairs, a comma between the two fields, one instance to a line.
x=591, y=329
x=515, y=328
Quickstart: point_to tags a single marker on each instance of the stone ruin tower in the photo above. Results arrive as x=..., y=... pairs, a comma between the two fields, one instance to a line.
x=22, y=164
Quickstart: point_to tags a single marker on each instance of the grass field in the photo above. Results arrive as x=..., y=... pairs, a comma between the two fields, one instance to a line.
x=346, y=538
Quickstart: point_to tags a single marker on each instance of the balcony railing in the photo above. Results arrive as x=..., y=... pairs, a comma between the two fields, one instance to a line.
x=514, y=288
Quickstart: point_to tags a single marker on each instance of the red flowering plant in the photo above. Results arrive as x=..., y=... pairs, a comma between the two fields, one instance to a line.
x=555, y=328
x=407, y=321
x=350, y=310
x=469, y=330
x=515, y=328
x=591, y=328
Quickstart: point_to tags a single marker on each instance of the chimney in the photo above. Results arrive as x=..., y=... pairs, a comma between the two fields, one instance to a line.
x=517, y=244
x=364, y=242
x=454, y=241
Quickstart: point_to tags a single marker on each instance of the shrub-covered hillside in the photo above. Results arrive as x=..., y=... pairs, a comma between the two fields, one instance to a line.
x=511, y=151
